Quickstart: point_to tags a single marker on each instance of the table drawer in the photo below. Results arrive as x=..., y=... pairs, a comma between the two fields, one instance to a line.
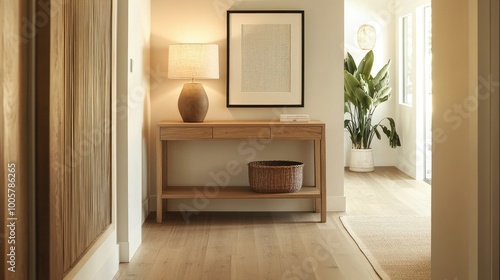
x=185, y=133
x=298, y=132
x=242, y=132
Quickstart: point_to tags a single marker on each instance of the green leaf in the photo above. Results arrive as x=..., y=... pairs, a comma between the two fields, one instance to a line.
x=364, y=101
x=391, y=133
x=382, y=96
x=384, y=93
x=350, y=64
x=382, y=73
x=350, y=82
x=366, y=64
x=382, y=83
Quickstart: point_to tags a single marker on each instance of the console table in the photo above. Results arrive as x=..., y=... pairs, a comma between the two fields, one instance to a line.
x=240, y=130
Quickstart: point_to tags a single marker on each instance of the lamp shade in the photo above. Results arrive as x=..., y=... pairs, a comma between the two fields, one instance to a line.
x=193, y=61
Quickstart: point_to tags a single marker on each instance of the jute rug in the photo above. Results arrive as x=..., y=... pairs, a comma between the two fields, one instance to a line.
x=398, y=247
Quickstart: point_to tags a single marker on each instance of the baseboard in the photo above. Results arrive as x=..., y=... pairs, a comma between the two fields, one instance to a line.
x=146, y=208
x=102, y=263
x=152, y=203
x=335, y=203
x=128, y=249
x=408, y=168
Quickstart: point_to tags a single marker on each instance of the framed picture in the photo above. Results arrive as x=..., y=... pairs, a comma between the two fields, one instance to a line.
x=265, y=59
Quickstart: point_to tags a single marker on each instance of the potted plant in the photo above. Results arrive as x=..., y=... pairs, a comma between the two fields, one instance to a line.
x=363, y=93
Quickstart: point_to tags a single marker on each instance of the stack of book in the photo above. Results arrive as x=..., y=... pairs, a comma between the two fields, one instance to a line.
x=294, y=117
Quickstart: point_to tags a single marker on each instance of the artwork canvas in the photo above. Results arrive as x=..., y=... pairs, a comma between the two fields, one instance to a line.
x=265, y=59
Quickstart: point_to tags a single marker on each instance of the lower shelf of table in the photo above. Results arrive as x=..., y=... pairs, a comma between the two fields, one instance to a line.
x=176, y=192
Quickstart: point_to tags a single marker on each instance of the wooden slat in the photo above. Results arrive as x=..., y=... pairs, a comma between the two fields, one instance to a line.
x=221, y=132
x=176, y=192
x=296, y=132
x=14, y=164
x=187, y=133
x=317, y=173
x=323, y=174
x=161, y=176
x=237, y=123
x=56, y=150
x=43, y=193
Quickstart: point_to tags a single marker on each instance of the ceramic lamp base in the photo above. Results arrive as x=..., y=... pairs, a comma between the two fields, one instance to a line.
x=193, y=103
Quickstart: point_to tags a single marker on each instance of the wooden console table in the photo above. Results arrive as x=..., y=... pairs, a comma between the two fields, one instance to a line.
x=241, y=130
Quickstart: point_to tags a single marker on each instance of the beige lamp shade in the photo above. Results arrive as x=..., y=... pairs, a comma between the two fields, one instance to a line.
x=193, y=61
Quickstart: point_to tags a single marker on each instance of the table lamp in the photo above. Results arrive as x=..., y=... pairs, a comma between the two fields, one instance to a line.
x=193, y=61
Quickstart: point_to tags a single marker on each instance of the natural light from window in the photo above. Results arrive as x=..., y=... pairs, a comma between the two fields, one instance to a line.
x=406, y=74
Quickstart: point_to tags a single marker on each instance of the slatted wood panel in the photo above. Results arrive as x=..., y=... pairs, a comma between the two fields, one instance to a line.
x=86, y=180
x=74, y=132
x=13, y=142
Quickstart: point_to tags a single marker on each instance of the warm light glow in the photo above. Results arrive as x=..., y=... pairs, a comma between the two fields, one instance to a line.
x=366, y=37
x=193, y=61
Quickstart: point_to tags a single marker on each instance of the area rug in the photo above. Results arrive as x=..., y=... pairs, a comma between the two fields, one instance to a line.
x=398, y=247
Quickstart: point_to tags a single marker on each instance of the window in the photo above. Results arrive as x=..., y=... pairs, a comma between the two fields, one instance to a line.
x=406, y=67
x=414, y=84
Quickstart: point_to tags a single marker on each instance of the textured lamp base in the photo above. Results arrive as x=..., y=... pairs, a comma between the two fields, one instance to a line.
x=193, y=103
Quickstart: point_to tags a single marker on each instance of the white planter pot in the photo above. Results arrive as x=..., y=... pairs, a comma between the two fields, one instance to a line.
x=361, y=160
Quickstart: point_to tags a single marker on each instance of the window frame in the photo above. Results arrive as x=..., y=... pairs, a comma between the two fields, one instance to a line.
x=405, y=98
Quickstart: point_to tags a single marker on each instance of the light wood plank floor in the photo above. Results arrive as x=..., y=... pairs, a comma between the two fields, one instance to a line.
x=274, y=245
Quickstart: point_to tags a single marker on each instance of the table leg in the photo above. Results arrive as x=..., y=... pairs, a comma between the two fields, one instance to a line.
x=159, y=178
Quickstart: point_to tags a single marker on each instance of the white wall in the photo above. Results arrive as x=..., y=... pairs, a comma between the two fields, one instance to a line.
x=379, y=14
x=133, y=122
x=204, y=21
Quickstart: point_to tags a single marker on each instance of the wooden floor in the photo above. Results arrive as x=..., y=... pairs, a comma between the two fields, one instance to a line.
x=274, y=245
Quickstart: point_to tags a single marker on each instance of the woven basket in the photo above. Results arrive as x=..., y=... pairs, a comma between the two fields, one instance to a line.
x=275, y=176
